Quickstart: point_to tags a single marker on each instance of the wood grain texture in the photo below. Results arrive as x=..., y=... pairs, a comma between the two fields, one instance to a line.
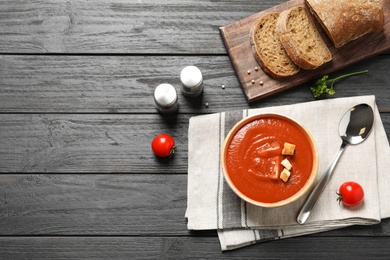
x=109, y=205
x=125, y=84
x=93, y=143
x=236, y=39
x=93, y=204
x=121, y=26
x=190, y=248
x=89, y=143
x=77, y=176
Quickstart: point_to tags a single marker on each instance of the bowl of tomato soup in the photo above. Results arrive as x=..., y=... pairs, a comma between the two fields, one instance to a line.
x=269, y=160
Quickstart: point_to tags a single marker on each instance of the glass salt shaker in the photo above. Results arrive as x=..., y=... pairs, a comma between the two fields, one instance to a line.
x=191, y=81
x=166, y=99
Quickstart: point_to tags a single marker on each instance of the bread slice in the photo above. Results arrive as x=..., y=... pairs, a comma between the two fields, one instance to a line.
x=267, y=49
x=347, y=20
x=301, y=38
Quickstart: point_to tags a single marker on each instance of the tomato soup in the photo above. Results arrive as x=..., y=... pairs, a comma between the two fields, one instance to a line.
x=253, y=156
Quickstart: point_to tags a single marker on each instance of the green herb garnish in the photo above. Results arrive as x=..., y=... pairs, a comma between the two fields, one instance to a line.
x=321, y=85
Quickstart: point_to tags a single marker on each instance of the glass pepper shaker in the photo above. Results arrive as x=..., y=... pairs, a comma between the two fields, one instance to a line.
x=191, y=81
x=166, y=99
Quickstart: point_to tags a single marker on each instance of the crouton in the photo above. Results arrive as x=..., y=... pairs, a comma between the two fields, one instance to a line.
x=288, y=149
x=284, y=175
x=286, y=163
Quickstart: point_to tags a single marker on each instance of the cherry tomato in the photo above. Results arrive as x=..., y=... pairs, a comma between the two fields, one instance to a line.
x=163, y=145
x=350, y=193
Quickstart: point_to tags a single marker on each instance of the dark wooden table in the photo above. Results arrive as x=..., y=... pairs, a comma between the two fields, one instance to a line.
x=77, y=176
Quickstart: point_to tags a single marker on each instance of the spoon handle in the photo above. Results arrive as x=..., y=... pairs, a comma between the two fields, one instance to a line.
x=312, y=199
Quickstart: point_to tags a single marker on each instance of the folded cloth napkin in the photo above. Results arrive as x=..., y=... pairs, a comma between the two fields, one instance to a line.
x=213, y=205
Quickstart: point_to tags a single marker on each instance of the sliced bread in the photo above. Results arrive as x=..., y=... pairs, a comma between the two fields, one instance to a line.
x=347, y=20
x=267, y=49
x=301, y=38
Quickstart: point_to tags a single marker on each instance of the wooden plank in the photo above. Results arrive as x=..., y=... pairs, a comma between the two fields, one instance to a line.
x=93, y=204
x=92, y=143
x=109, y=205
x=121, y=26
x=189, y=248
x=89, y=143
x=125, y=84
x=236, y=39
x=84, y=143
x=108, y=84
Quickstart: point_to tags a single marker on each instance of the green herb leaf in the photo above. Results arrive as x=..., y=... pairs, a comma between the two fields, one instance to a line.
x=324, y=85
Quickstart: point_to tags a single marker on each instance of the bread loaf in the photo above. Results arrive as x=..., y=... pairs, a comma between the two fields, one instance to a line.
x=267, y=49
x=301, y=39
x=346, y=20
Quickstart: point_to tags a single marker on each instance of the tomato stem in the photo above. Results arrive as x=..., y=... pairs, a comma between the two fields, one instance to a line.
x=339, y=197
x=172, y=152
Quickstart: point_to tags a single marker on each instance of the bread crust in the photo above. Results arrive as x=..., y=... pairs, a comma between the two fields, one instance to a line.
x=287, y=68
x=303, y=58
x=347, y=20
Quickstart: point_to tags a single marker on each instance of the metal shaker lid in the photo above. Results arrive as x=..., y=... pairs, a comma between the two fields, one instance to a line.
x=165, y=95
x=191, y=78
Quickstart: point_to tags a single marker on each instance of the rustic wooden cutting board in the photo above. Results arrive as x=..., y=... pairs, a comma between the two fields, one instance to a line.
x=236, y=40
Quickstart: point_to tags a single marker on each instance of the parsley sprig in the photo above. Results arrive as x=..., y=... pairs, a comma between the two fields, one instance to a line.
x=322, y=85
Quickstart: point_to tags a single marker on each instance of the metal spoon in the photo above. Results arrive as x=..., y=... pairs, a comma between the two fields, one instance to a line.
x=354, y=128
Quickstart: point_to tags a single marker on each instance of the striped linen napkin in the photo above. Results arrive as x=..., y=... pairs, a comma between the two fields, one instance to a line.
x=213, y=205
